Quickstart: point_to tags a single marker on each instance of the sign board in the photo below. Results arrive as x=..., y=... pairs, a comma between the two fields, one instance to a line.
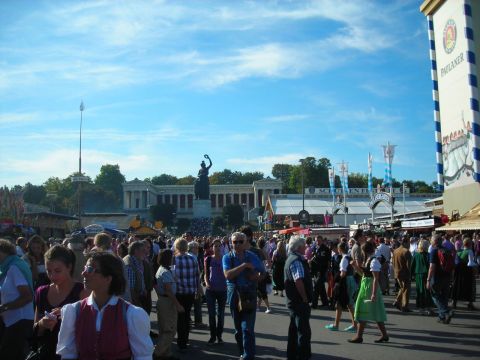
x=382, y=197
x=303, y=216
x=418, y=223
x=455, y=94
x=80, y=178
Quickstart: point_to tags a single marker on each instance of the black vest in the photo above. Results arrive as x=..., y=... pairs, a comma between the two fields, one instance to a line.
x=293, y=297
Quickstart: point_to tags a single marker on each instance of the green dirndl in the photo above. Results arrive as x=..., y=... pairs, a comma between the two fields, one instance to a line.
x=369, y=311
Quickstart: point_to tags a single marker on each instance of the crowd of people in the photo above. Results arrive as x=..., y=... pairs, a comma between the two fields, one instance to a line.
x=86, y=298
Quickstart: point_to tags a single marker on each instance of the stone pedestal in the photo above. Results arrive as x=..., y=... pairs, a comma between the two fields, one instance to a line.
x=202, y=209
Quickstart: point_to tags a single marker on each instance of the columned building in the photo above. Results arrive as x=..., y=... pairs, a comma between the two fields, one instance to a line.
x=139, y=195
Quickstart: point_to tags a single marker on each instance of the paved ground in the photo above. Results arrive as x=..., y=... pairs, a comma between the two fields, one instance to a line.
x=411, y=336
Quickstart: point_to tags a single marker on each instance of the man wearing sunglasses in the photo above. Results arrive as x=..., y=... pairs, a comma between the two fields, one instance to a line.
x=242, y=270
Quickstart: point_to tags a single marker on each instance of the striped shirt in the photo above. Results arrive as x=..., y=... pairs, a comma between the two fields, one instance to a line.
x=187, y=274
x=132, y=271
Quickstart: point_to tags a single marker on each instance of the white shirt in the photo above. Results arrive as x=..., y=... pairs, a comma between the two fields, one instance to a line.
x=9, y=293
x=344, y=263
x=138, y=327
x=375, y=265
x=384, y=250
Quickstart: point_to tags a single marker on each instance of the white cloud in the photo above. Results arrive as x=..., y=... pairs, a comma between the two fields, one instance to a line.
x=287, y=118
x=18, y=118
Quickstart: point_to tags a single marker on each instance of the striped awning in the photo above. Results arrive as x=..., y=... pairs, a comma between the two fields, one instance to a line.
x=469, y=221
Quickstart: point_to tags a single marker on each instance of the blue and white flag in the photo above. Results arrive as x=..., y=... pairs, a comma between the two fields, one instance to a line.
x=331, y=180
x=344, y=177
x=370, y=178
x=388, y=154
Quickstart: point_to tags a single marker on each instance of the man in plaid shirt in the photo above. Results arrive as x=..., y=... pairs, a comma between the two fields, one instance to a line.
x=187, y=275
x=299, y=291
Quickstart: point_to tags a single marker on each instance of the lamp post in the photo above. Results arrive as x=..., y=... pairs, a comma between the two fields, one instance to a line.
x=80, y=175
x=303, y=185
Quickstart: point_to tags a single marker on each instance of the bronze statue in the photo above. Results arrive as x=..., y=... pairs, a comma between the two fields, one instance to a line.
x=202, y=185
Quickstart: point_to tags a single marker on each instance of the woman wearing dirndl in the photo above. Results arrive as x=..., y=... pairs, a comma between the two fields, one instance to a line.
x=369, y=305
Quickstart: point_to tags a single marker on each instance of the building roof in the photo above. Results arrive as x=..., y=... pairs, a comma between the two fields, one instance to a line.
x=469, y=221
x=292, y=204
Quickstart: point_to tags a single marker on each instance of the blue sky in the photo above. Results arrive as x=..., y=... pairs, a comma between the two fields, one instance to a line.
x=251, y=83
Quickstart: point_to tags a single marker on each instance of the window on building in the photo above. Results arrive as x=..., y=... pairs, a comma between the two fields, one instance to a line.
x=220, y=201
x=182, y=201
x=213, y=199
x=236, y=199
x=228, y=199
x=159, y=199
x=190, y=201
x=137, y=203
x=167, y=199
x=260, y=194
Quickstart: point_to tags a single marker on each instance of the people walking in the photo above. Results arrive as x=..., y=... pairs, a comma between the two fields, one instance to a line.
x=243, y=269
x=168, y=306
x=16, y=306
x=369, y=305
x=216, y=293
x=299, y=291
x=344, y=291
x=319, y=265
x=439, y=278
x=402, y=259
x=187, y=274
x=419, y=270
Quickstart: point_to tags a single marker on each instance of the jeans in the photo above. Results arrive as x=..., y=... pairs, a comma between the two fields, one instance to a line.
x=216, y=301
x=299, y=332
x=183, y=319
x=440, y=293
x=319, y=288
x=244, y=323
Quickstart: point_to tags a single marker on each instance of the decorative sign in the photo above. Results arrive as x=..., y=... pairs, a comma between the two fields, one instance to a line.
x=454, y=94
x=80, y=178
x=303, y=216
x=339, y=207
x=418, y=223
x=381, y=197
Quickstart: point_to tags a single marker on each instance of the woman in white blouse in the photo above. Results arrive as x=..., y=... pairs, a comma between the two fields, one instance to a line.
x=103, y=325
x=369, y=305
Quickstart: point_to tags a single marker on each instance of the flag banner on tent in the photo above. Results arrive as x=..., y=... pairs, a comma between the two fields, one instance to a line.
x=370, y=178
x=331, y=180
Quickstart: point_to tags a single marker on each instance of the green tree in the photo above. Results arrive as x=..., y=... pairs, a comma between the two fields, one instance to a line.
x=164, y=179
x=96, y=199
x=111, y=179
x=34, y=194
x=250, y=177
x=234, y=213
x=357, y=180
x=224, y=177
x=163, y=212
x=283, y=172
x=187, y=180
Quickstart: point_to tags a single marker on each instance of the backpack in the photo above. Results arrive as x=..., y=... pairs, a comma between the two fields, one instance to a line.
x=446, y=260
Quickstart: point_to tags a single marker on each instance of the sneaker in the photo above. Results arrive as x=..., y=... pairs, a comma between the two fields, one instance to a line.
x=268, y=311
x=331, y=327
x=351, y=329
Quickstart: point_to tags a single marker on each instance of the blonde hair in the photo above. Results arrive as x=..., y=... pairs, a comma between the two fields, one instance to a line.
x=422, y=245
x=181, y=245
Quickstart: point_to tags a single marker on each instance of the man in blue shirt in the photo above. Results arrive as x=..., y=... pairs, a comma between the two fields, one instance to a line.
x=242, y=270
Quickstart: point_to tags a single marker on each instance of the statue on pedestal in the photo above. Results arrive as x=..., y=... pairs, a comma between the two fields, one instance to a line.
x=202, y=185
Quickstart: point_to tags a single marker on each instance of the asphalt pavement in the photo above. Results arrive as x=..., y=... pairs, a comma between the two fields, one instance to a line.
x=411, y=336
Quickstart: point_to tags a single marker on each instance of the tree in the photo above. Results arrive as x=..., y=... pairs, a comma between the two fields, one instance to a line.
x=34, y=194
x=111, y=179
x=282, y=172
x=357, y=180
x=97, y=199
x=224, y=177
x=187, y=180
x=163, y=212
x=250, y=177
x=234, y=213
x=164, y=179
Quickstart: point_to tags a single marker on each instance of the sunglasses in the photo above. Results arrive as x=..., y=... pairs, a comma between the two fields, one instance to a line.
x=237, y=242
x=89, y=269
